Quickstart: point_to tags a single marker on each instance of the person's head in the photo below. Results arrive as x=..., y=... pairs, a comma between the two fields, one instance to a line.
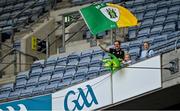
x=146, y=45
x=117, y=44
x=127, y=57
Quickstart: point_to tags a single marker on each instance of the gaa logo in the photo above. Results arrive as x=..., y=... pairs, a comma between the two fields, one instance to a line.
x=81, y=100
x=22, y=107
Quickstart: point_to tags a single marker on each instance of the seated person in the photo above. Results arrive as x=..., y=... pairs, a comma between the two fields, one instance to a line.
x=146, y=52
x=116, y=50
x=127, y=59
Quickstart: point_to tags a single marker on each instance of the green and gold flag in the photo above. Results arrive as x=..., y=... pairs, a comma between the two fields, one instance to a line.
x=105, y=16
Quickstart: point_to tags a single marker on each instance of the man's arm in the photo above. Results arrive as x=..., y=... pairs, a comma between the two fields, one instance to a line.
x=104, y=49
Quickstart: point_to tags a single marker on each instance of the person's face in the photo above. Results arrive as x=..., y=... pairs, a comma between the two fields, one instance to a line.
x=127, y=57
x=116, y=45
x=146, y=46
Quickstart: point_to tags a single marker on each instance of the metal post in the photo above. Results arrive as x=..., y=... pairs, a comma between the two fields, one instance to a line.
x=47, y=47
x=15, y=61
x=63, y=33
x=19, y=62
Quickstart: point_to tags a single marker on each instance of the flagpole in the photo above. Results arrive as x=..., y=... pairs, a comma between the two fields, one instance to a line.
x=111, y=35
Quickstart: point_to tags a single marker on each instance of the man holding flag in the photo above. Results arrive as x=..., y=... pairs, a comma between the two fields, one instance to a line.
x=116, y=50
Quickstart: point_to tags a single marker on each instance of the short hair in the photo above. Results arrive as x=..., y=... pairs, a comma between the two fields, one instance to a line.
x=146, y=42
x=128, y=55
x=118, y=41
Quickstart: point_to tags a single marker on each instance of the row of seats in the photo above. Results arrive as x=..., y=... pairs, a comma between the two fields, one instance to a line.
x=151, y=3
x=156, y=17
x=9, y=12
x=57, y=72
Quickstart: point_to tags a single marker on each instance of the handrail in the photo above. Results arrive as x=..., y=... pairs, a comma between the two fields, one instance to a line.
x=34, y=57
x=7, y=66
x=6, y=54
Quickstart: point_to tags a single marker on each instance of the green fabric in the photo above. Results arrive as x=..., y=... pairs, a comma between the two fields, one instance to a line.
x=95, y=20
x=113, y=64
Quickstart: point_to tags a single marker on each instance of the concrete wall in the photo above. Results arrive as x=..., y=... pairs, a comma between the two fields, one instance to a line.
x=40, y=32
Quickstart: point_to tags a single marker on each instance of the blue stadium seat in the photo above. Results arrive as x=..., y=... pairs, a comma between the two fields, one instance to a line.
x=140, y=16
x=36, y=71
x=61, y=61
x=162, y=12
x=82, y=69
x=16, y=93
x=78, y=79
x=175, y=2
x=65, y=82
x=147, y=23
x=21, y=82
x=173, y=9
x=19, y=6
x=144, y=32
x=173, y=35
x=58, y=74
x=8, y=8
x=139, y=2
x=158, y=39
x=159, y=20
x=171, y=18
x=163, y=4
x=70, y=72
x=97, y=57
x=51, y=61
x=52, y=86
x=28, y=91
x=45, y=78
x=135, y=44
x=39, y=89
x=103, y=71
x=5, y=16
x=125, y=46
x=4, y=94
x=129, y=3
x=151, y=6
x=92, y=74
x=156, y=29
x=48, y=68
x=140, y=9
x=150, y=14
x=134, y=53
x=39, y=63
x=169, y=27
x=84, y=60
x=132, y=34
x=7, y=87
x=32, y=80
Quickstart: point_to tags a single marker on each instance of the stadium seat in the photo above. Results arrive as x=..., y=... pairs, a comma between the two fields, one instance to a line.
x=147, y=23
x=129, y=3
x=144, y=32
x=171, y=18
x=134, y=53
x=7, y=87
x=84, y=60
x=28, y=91
x=45, y=78
x=52, y=86
x=158, y=39
x=4, y=94
x=32, y=80
x=16, y=93
x=173, y=9
x=162, y=12
x=169, y=27
x=156, y=29
x=39, y=89
x=150, y=14
x=159, y=20
x=132, y=34
x=151, y=6
x=70, y=72
x=140, y=9
x=135, y=44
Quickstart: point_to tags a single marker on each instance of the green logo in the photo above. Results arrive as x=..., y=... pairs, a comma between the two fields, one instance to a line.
x=111, y=13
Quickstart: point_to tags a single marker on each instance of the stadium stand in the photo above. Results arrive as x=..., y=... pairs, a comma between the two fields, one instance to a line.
x=160, y=26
